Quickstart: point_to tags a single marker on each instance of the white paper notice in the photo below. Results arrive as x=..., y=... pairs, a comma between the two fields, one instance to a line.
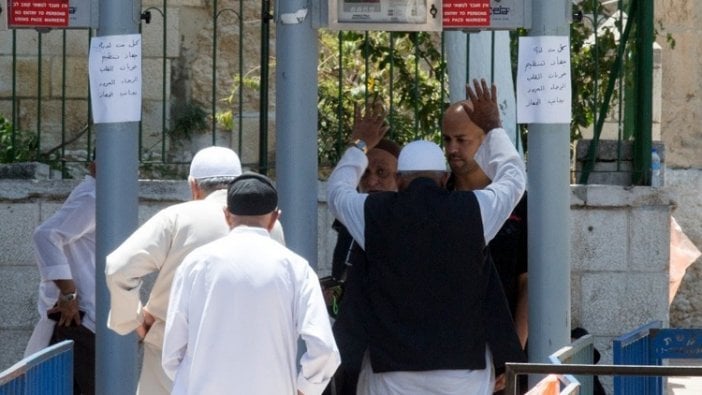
x=115, y=78
x=543, y=80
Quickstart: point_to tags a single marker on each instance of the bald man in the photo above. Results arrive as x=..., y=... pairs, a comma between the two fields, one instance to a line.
x=462, y=138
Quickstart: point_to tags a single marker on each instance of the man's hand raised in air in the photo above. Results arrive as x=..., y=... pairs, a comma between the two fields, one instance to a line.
x=483, y=109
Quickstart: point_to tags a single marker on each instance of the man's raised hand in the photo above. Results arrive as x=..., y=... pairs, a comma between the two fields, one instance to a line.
x=371, y=126
x=484, y=111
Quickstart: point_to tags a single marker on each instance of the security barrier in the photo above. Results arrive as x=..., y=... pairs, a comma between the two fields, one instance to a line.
x=46, y=372
x=581, y=351
x=650, y=345
x=514, y=369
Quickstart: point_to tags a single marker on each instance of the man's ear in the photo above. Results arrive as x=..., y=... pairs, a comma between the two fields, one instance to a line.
x=274, y=217
x=195, y=190
x=229, y=217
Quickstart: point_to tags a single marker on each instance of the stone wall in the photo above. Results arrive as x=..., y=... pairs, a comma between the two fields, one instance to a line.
x=618, y=237
x=685, y=186
x=682, y=81
x=181, y=69
x=682, y=135
x=619, y=261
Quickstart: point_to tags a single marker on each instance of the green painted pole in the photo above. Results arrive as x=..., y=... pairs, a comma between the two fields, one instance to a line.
x=644, y=99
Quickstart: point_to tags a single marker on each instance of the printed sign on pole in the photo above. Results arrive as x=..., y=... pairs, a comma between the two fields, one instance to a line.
x=462, y=14
x=115, y=78
x=544, y=80
x=38, y=13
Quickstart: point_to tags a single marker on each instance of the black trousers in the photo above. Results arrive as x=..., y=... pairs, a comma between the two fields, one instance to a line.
x=83, y=356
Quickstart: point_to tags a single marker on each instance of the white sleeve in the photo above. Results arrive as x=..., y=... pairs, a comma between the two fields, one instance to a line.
x=501, y=162
x=320, y=360
x=142, y=253
x=345, y=202
x=73, y=220
x=175, y=337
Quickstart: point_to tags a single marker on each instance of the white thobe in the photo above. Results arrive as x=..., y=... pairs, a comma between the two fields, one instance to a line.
x=237, y=309
x=500, y=161
x=160, y=245
x=64, y=247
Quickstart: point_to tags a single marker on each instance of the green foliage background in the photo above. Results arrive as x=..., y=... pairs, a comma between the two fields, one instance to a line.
x=16, y=146
x=403, y=70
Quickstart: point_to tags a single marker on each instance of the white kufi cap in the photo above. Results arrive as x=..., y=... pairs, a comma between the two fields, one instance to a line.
x=421, y=155
x=215, y=162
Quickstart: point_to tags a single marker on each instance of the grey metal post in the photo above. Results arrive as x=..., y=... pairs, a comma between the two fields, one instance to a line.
x=482, y=62
x=296, y=126
x=457, y=63
x=548, y=168
x=116, y=206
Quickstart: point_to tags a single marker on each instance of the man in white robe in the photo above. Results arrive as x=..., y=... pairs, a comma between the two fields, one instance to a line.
x=159, y=246
x=239, y=304
x=65, y=253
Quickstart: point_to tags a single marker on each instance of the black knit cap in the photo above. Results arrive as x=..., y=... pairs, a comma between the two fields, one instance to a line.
x=251, y=194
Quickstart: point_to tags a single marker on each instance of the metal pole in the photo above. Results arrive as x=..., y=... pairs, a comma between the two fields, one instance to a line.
x=483, y=55
x=548, y=167
x=116, y=216
x=263, y=90
x=296, y=126
x=457, y=63
x=644, y=98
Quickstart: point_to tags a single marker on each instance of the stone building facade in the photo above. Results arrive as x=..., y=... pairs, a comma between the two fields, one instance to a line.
x=605, y=267
x=190, y=64
x=681, y=117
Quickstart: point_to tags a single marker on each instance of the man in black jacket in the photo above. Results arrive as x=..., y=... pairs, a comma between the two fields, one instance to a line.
x=428, y=285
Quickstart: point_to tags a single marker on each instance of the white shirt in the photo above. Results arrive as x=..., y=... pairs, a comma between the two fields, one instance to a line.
x=160, y=245
x=502, y=164
x=64, y=247
x=496, y=157
x=237, y=308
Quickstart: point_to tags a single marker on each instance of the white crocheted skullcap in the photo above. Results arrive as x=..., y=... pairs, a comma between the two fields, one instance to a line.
x=215, y=162
x=421, y=155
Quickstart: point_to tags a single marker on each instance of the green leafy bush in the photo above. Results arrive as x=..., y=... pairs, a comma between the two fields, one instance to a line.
x=16, y=146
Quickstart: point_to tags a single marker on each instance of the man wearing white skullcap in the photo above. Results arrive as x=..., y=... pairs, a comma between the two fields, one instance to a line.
x=160, y=245
x=430, y=291
x=240, y=304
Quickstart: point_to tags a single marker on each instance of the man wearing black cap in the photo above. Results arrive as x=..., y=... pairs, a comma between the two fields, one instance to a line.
x=239, y=304
x=429, y=285
x=159, y=246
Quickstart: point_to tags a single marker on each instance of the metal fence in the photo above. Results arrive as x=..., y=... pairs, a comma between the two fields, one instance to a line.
x=512, y=370
x=651, y=344
x=634, y=348
x=580, y=352
x=47, y=108
x=47, y=372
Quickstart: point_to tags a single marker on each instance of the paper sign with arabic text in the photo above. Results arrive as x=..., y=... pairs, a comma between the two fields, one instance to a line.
x=115, y=78
x=544, y=80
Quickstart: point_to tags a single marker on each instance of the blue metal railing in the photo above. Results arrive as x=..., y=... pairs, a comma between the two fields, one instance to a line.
x=638, y=361
x=46, y=372
x=634, y=348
